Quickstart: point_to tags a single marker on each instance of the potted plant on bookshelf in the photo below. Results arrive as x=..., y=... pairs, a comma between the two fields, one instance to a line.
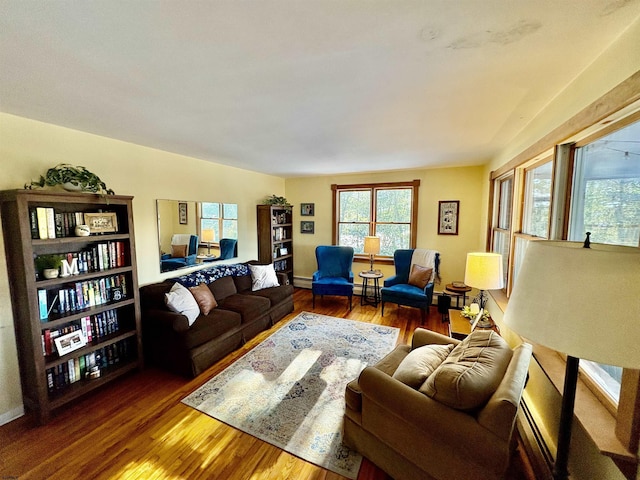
x=275, y=200
x=71, y=178
x=48, y=265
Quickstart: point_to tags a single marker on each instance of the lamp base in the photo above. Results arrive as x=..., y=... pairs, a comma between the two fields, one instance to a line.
x=484, y=323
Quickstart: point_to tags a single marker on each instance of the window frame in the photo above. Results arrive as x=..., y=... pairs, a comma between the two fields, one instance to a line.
x=336, y=189
x=220, y=220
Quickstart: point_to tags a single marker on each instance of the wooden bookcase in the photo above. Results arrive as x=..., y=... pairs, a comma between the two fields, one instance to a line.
x=102, y=297
x=275, y=237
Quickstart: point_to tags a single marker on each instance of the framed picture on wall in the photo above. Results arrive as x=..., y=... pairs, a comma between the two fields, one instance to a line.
x=307, y=209
x=182, y=213
x=448, y=212
x=307, y=227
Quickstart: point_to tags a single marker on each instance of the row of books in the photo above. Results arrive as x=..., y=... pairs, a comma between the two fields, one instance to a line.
x=95, y=258
x=94, y=327
x=81, y=295
x=88, y=366
x=45, y=223
x=280, y=266
x=279, y=233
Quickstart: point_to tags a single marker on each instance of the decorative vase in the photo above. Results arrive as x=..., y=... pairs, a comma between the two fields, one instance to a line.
x=82, y=231
x=50, y=273
x=70, y=187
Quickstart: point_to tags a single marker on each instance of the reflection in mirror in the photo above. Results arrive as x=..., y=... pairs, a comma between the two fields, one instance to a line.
x=196, y=232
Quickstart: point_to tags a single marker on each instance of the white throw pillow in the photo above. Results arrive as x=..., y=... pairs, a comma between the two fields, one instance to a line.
x=180, y=300
x=263, y=276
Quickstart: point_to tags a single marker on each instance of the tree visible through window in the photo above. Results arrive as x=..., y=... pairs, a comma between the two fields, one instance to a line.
x=222, y=218
x=384, y=210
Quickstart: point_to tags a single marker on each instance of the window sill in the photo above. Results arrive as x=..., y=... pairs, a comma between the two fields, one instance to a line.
x=597, y=421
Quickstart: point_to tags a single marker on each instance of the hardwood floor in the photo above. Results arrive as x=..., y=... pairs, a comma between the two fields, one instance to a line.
x=138, y=429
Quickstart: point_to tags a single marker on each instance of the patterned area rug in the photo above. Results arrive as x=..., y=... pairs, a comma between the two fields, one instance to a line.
x=289, y=390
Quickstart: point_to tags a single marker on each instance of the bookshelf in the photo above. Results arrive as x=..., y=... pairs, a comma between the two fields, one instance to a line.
x=93, y=310
x=275, y=237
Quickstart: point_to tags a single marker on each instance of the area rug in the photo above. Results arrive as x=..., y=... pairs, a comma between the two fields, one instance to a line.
x=289, y=390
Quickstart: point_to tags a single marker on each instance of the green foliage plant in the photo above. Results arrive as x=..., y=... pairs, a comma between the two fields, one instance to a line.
x=44, y=262
x=275, y=200
x=78, y=176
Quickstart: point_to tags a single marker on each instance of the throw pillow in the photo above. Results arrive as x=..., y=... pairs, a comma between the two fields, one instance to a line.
x=416, y=367
x=420, y=276
x=471, y=373
x=263, y=276
x=180, y=300
x=204, y=297
x=178, y=251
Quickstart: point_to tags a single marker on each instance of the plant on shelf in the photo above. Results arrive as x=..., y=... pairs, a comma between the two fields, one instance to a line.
x=49, y=261
x=71, y=178
x=275, y=200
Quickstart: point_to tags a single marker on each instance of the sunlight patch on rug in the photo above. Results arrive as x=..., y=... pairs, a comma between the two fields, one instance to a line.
x=289, y=390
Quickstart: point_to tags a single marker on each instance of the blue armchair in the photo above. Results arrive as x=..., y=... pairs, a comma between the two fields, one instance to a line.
x=168, y=262
x=334, y=275
x=397, y=289
x=228, y=249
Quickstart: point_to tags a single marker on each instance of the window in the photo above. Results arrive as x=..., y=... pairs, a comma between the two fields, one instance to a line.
x=537, y=200
x=222, y=218
x=501, y=231
x=605, y=201
x=387, y=210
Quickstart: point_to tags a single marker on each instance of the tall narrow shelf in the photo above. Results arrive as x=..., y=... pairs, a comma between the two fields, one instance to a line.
x=275, y=237
x=102, y=297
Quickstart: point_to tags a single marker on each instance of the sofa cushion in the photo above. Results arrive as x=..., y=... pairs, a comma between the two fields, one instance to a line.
x=420, y=276
x=223, y=288
x=180, y=300
x=263, y=276
x=208, y=327
x=204, y=297
x=420, y=363
x=471, y=373
x=250, y=307
x=274, y=294
x=243, y=283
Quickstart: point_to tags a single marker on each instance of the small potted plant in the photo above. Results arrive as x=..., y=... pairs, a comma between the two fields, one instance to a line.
x=71, y=178
x=275, y=200
x=49, y=265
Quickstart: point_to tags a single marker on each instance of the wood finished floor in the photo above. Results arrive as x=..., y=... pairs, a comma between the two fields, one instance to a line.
x=136, y=428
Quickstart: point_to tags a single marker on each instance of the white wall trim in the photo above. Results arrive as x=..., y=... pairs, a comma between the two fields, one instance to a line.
x=11, y=415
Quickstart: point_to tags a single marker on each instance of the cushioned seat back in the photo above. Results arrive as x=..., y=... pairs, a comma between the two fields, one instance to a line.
x=228, y=248
x=402, y=262
x=223, y=288
x=334, y=261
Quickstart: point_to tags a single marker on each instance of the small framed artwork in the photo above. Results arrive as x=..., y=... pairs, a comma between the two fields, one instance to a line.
x=307, y=227
x=307, y=209
x=284, y=251
x=70, y=342
x=448, y=212
x=104, y=222
x=182, y=213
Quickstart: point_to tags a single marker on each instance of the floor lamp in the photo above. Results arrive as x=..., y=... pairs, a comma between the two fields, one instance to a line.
x=563, y=293
x=372, y=247
x=484, y=272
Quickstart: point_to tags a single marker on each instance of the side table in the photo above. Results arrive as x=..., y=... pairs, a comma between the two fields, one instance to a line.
x=460, y=327
x=366, y=297
x=456, y=291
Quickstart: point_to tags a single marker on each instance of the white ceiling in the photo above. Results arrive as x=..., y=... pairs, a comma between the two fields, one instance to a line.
x=301, y=87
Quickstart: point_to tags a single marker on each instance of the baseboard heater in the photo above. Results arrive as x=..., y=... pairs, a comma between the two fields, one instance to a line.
x=536, y=448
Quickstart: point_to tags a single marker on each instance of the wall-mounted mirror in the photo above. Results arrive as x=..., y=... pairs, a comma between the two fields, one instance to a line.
x=196, y=232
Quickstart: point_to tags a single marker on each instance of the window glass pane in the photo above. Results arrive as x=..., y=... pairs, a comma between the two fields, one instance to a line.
x=230, y=229
x=352, y=235
x=210, y=210
x=504, y=204
x=501, y=246
x=355, y=206
x=520, y=246
x=230, y=211
x=393, y=237
x=214, y=225
x=608, y=377
x=393, y=205
x=537, y=201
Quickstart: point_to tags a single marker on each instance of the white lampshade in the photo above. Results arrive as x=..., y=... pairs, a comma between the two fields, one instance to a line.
x=484, y=271
x=372, y=245
x=584, y=302
x=208, y=235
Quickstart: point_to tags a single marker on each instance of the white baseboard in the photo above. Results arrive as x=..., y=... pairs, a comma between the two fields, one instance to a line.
x=11, y=415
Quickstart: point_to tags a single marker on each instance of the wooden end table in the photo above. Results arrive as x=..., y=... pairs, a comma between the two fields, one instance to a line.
x=366, y=297
x=460, y=327
x=457, y=292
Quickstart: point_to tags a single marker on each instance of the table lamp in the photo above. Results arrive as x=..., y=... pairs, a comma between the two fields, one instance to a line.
x=563, y=292
x=484, y=272
x=208, y=236
x=372, y=247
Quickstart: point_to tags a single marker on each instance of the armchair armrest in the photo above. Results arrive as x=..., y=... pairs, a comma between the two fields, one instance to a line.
x=165, y=320
x=452, y=429
x=165, y=256
x=191, y=259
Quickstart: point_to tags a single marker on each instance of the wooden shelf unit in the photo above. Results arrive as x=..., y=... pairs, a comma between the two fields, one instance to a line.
x=117, y=348
x=275, y=236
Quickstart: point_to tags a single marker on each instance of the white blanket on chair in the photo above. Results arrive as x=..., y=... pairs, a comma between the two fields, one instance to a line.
x=425, y=258
x=180, y=239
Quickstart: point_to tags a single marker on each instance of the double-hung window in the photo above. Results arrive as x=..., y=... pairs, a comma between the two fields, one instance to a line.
x=386, y=210
x=221, y=218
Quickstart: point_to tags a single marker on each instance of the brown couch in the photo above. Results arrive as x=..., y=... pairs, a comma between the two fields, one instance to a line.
x=169, y=341
x=411, y=434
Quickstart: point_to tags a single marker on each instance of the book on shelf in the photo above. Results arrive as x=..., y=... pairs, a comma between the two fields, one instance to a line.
x=46, y=222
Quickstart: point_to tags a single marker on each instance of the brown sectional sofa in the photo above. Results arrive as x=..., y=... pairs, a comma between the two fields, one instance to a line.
x=169, y=341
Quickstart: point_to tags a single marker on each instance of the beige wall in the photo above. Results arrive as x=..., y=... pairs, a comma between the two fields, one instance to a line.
x=28, y=148
x=464, y=184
